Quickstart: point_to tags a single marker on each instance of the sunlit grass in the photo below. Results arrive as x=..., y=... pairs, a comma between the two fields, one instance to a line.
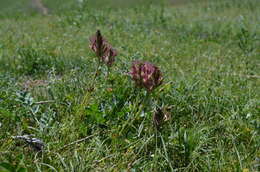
x=208, y=53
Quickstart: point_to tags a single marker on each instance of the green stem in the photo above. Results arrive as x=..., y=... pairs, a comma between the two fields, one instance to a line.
x=95, y=76
x=108, y=71
x=147, y=101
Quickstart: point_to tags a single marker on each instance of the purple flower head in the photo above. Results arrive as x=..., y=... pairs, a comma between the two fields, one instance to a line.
x=146, y=75
x=104, y=51
x=109, y=55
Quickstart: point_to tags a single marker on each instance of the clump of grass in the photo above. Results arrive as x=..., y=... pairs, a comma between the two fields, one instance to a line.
x=31, y=61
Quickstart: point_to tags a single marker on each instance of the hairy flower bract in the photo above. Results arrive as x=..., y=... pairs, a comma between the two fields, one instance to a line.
x=146, y=75
x=104, y=51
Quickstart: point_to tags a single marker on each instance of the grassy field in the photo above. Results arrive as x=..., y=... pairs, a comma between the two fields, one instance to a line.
x=208, y=52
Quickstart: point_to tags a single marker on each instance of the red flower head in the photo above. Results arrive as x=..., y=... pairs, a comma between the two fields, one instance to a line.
x=102, y=48
x=146, y=75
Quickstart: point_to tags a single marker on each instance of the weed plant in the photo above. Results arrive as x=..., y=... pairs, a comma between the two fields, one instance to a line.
x=204, y=116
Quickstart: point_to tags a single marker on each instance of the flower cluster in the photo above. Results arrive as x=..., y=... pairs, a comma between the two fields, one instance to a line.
x=104, y=51
x=146, y=75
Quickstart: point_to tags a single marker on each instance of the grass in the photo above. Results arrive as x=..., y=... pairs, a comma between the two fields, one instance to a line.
x=208, y=52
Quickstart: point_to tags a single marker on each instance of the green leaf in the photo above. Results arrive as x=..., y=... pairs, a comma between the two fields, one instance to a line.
x=7, y=166
x=7, y=114
x=22, y=169
x=95, y=114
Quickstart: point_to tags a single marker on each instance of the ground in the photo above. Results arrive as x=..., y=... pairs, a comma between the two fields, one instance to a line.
x=208, y=52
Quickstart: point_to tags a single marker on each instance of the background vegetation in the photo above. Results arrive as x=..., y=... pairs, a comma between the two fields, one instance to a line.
x=207, y=50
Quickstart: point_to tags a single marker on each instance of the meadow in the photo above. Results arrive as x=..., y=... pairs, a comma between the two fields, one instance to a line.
x=209, y=55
